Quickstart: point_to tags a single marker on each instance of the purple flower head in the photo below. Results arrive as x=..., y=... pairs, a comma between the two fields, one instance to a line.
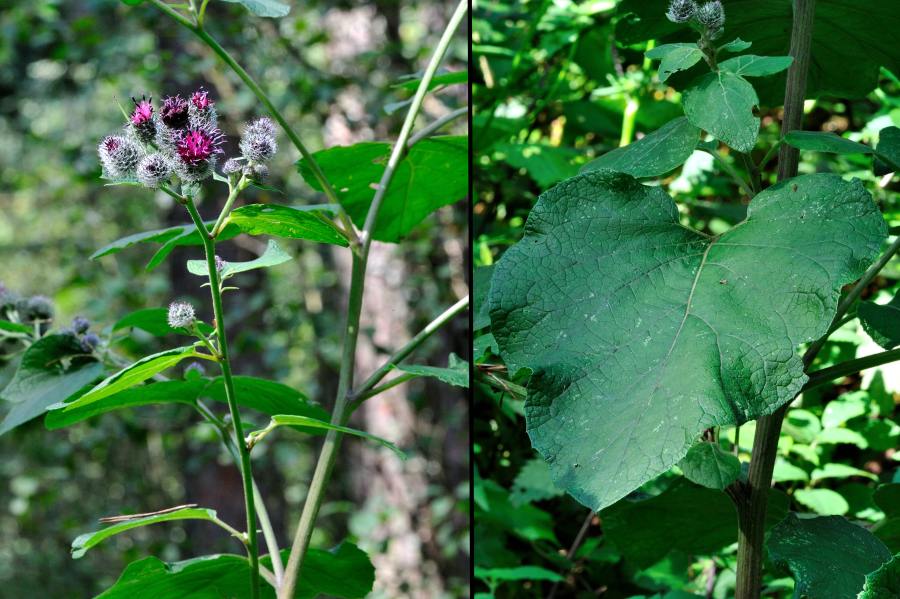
x=174, y=112
x=143, y=111
x=201, y=100
x=110, y=144
x=196, y=146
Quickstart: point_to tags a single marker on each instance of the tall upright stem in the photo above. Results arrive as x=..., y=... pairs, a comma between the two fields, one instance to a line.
x=751, y=504
x=332, y=442
x=209, y=245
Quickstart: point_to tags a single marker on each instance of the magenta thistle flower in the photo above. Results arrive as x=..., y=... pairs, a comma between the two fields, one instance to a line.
x=143, y=111
x=198, y=146
x=174, y=112
x=201, y=100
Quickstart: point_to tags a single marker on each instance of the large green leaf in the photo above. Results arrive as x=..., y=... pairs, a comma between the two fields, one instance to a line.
x=344, y=571
x=132, y=375
x=821, y=141
x=294, y=222
x=641, y=333
x=654, y=154
x=887, y=498
x=684, y=517
x=675, y=57
x=268, y=397
x=50, y=371
x=722, y=103
x=706, y=464
x=851, y=40
x=264, y=8
x=828, y=555
x=84, y=542
x=883, y=583
x=517, y=573
x=434, y=173
x=272, y=256
x=882, y=321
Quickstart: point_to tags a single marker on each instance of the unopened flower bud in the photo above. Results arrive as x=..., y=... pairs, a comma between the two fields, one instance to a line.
x=258, y=143
x=38, y=307
x=681, y=11
x=118, y=156
x=194, y=369
x=260, y=171
x=80, y=325
x=90, y=342
x=220, y=264
x=154, y=170
x=181, y=314
x=174, y=112
x=232, y=165
x=143, y=123
x=712, y=16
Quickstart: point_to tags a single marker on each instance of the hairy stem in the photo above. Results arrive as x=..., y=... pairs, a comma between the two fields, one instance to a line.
x=209, y=245
x=751, y=503
x=332, y=441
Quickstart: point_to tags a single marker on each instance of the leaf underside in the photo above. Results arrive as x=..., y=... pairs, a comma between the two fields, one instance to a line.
x=641, y=333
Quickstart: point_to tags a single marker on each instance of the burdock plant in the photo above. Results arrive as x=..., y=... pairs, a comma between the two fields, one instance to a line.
x=174, y=146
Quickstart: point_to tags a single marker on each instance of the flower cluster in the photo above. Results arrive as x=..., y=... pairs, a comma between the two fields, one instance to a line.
x=710, y=15
x=181, y=139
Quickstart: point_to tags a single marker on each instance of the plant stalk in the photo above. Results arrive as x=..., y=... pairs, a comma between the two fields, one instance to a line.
x=209, y=245
x=325, y=464
x=751, y=503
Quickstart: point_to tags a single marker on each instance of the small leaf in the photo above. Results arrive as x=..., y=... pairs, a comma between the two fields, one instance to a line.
x=881, y=322
x=533, y=483
x=293, y=420
x=675, y=57
x=544, y=163
x=749, y=65
x=883, y=583
x=820, y=141
x=653, y=155
x=293, y=222
x=434, y=173
x=184, y=392
x=84, y=542
x=268, y=397
x=888, y=148
x=130, y=376
x=785, y=471
x=50, y=370
x=828, y=556
x=707, y=465
x=835, y=436
x=845, y=408
x=517, y=573
x=344, y=572
x=456, y=373
x=822, y=501
x=722, y=103
x=736, y=45
x=273, y=256
x=835, y=470
x=264, y=8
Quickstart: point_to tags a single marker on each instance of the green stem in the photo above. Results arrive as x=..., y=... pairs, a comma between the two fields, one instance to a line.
x=838, y=371
x=233, y=193
x=628, y=119
x=732, y=173
x=361, y=393
x=437, y=125
x=209, y=245
x=359, y=399
x=333, y=438
x=752, y=497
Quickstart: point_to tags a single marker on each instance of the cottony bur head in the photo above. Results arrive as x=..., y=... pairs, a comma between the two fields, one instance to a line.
x=232, y=165
x=258, y=143
x=181, y=314
x=80, y=325
x=90, y=342
x=37, y=307
x=712, y=16
x=681, y=11
x=118, y=156
x=154, y=170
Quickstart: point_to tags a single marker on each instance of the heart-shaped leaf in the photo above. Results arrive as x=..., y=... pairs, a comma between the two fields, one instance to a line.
x=641, y=332
x=653, y=155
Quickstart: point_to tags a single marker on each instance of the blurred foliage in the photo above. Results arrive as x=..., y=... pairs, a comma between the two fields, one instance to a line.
x=552, y=90
x=330, y=67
